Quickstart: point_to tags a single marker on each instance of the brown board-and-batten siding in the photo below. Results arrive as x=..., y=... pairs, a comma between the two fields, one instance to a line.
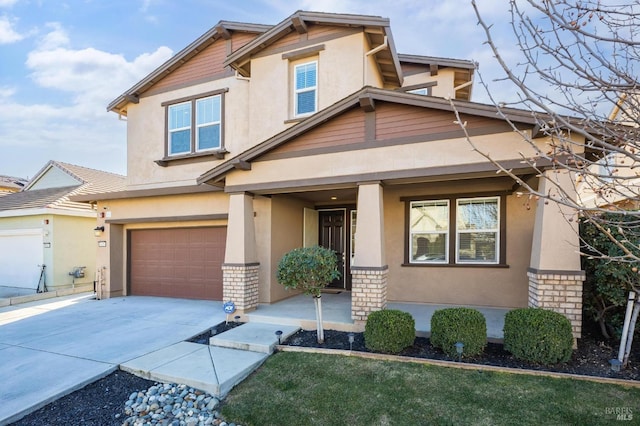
x=402, y=121
x=388, y=124
x=177, y=262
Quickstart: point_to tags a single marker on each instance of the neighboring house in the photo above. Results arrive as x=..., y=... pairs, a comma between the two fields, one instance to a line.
x=10, y=184
x=256, y=139
x=41, y=226
x=613, y=181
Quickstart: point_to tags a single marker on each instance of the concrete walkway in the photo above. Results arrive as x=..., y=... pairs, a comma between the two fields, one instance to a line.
x=215, y=368
x=53, y=347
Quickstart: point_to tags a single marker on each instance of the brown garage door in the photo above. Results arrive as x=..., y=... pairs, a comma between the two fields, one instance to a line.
x=177, y=262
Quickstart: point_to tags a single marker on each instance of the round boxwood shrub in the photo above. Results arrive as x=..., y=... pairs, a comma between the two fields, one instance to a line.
x=389, y=331
x=452, y=325
x=538, y=335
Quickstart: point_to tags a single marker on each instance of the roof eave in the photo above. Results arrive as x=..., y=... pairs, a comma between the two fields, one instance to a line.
x=218, y=31
x=441, y=62
x=217, y=174
x=242, y=55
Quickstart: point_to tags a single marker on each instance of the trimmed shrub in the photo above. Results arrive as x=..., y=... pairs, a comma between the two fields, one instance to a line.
x=452, y=325
x=538, y=335
x=389, y=331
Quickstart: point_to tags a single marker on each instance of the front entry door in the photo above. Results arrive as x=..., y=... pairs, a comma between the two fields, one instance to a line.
x=332, y=236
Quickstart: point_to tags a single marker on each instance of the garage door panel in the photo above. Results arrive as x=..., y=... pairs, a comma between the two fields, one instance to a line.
x=177, y=262
x=21, y=253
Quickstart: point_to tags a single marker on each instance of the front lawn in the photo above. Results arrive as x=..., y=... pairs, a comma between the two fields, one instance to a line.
x=317, y=389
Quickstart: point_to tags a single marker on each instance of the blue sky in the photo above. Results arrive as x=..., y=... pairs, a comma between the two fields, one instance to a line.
x=62, y=62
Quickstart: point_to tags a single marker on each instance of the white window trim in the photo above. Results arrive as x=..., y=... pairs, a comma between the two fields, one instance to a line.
x=179, y=129
x=478, y=231
x=297, y=91
x=211, y=123
x=446, y=233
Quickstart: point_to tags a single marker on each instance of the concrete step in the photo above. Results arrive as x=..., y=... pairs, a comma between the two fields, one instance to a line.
x=209, y=368
x=253, y=336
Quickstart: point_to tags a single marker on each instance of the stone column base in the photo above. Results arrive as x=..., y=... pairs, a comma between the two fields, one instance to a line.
x=240, y=285
x=559, y=291
x=368, y=291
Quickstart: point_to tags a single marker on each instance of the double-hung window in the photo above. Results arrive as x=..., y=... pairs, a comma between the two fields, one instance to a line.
x=477, y=230
x=455, y=231
x=194, y=125
x=429, y=231
x=306, y=88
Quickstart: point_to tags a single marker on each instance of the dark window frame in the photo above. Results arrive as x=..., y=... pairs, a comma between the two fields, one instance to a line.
x=194, y=152
x=452, y=234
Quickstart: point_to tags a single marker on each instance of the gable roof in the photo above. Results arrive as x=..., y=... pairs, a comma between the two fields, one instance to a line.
x=9, y=184
x=365, y=98
x=89, y=181
x=220, y=30
x=377, y=29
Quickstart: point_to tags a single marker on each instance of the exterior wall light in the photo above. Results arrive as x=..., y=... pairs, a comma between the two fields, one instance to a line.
x=98, y=230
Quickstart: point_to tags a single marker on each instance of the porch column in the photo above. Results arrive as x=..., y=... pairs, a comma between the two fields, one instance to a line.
x=555, y=277
x=369, y=269
x=241, y=267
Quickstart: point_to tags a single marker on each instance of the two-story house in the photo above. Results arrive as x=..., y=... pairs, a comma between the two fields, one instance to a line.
x=256, y=139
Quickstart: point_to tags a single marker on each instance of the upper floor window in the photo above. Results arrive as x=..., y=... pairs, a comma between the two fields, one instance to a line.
x=456, y=231
x=306, y=88
x=194, y=125
x=423, y=91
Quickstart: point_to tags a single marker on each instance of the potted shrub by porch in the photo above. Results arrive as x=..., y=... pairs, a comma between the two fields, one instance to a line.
x=309, y=269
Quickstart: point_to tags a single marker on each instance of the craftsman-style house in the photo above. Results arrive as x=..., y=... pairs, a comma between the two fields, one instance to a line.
x=257, y=139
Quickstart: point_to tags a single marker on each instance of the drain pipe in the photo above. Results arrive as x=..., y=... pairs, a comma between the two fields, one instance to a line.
x=239, y=77
x=375, y=50
x=625, y=327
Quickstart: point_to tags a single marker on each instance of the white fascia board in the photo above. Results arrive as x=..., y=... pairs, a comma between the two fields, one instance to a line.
x=39, y=212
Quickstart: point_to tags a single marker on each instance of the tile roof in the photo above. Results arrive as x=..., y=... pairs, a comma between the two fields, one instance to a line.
x=90, y=181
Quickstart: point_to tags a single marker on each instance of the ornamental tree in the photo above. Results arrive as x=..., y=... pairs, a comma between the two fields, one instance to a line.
x=309, y=269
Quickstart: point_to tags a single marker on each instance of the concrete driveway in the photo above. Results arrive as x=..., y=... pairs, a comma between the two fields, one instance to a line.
x=53, y=347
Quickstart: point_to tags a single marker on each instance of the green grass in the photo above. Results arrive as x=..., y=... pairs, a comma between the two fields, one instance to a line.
x=316, y=389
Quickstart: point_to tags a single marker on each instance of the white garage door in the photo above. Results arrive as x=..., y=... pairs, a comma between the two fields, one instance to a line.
x=20, y=254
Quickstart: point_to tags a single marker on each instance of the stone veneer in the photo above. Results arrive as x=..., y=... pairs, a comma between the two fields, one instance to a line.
x=559, y=291
x=240, y=285
x=368, y=291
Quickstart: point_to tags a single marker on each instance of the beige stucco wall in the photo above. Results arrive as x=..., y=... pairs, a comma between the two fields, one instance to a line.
x=445, y=79
x=72, y=244
x=176, y=209
x=146, y=134
x=482, y=286
x=439, y=153
x=287, y=227
x=272, y=84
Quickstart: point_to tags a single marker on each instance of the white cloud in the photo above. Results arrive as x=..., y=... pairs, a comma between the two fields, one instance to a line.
x=7, y=32
x=77, y=129
x=93, y=76
x=6, y=92
x=7, y=3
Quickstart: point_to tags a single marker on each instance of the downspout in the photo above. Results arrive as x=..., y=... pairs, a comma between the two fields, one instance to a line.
x=239, y=77
x=462, y=86
x=375, y=50
x=384, y=45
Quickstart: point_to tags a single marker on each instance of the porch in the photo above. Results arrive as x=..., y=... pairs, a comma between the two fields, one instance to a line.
x=336, y=314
